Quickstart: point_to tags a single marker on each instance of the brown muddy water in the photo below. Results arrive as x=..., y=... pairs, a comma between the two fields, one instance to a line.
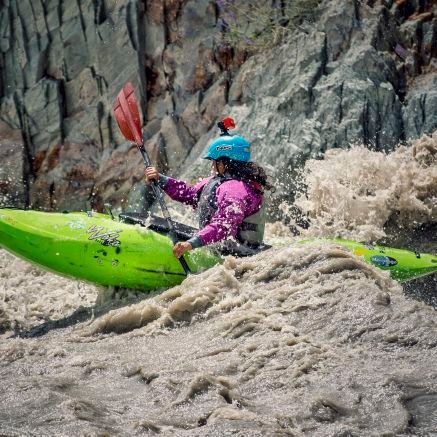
x=296, y=341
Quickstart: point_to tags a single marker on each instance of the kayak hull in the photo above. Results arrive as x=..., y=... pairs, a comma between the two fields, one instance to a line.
x=95, y=248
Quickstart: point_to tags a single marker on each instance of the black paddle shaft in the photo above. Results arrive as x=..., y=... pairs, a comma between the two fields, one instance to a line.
x=158, y=194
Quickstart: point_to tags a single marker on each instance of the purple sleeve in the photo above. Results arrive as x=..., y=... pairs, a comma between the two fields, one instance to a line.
x=234, y=203
x=181, y=191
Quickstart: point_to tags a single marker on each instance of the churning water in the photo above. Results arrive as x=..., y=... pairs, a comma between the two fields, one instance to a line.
x=298, y=340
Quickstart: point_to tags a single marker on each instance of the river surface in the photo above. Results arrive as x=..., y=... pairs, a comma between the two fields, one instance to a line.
x=296, y=341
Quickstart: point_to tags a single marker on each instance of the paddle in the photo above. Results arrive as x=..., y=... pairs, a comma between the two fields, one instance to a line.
x=128, y=119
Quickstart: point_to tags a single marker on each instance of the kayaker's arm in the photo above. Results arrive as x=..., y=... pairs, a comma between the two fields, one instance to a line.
x=178, y=190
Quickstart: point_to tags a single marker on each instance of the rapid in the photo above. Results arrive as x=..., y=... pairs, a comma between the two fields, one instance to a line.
x=297, y=340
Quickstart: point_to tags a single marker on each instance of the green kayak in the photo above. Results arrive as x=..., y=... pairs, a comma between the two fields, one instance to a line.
x=98, y=249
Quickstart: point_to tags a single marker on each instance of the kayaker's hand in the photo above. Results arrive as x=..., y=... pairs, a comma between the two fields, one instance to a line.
x=151, y=174
x=180, y=248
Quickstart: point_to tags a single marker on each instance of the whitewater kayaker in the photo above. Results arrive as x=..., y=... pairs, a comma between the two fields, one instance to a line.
x=229, y=203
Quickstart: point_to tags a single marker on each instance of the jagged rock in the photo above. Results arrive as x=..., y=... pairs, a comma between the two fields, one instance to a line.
x=326, y=93
x=65, y=177
x=201, y=113
x=340, y=84
x=119, y=179
x=65, y=62
x=12, y=173
x=419, y=113
x=42, y=114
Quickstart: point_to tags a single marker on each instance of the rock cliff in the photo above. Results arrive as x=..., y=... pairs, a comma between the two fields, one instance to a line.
x=362, y=72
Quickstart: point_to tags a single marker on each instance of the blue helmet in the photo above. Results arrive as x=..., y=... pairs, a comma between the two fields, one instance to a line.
x=230, y=146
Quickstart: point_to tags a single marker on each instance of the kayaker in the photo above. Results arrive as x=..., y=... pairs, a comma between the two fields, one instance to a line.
x=229, y=203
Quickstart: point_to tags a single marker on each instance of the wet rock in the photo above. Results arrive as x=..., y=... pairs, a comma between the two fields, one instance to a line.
x=421, y=105
x=63, y=63
x=12, y=171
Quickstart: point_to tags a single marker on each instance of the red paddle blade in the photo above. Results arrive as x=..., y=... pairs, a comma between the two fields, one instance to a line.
x=127, y=114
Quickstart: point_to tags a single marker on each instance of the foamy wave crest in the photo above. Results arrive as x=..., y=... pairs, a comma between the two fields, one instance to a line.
x=354, y=193
x=248, y=294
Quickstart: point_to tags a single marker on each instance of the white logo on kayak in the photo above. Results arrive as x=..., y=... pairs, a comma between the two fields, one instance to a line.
x=76, y=224
x=100, y=234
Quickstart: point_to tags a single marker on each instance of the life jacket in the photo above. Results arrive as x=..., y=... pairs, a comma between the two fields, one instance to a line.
x=251, y=230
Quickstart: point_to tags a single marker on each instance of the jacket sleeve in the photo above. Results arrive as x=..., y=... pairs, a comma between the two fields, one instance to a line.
x=181, y=191
x=231, y=210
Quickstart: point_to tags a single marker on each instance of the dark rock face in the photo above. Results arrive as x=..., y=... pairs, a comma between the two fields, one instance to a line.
x=62, y=64
x=356, y=77
x=361, y=73
x=12, y=173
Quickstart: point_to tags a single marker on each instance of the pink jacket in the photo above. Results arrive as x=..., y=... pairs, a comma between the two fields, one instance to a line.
x=236, y=200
